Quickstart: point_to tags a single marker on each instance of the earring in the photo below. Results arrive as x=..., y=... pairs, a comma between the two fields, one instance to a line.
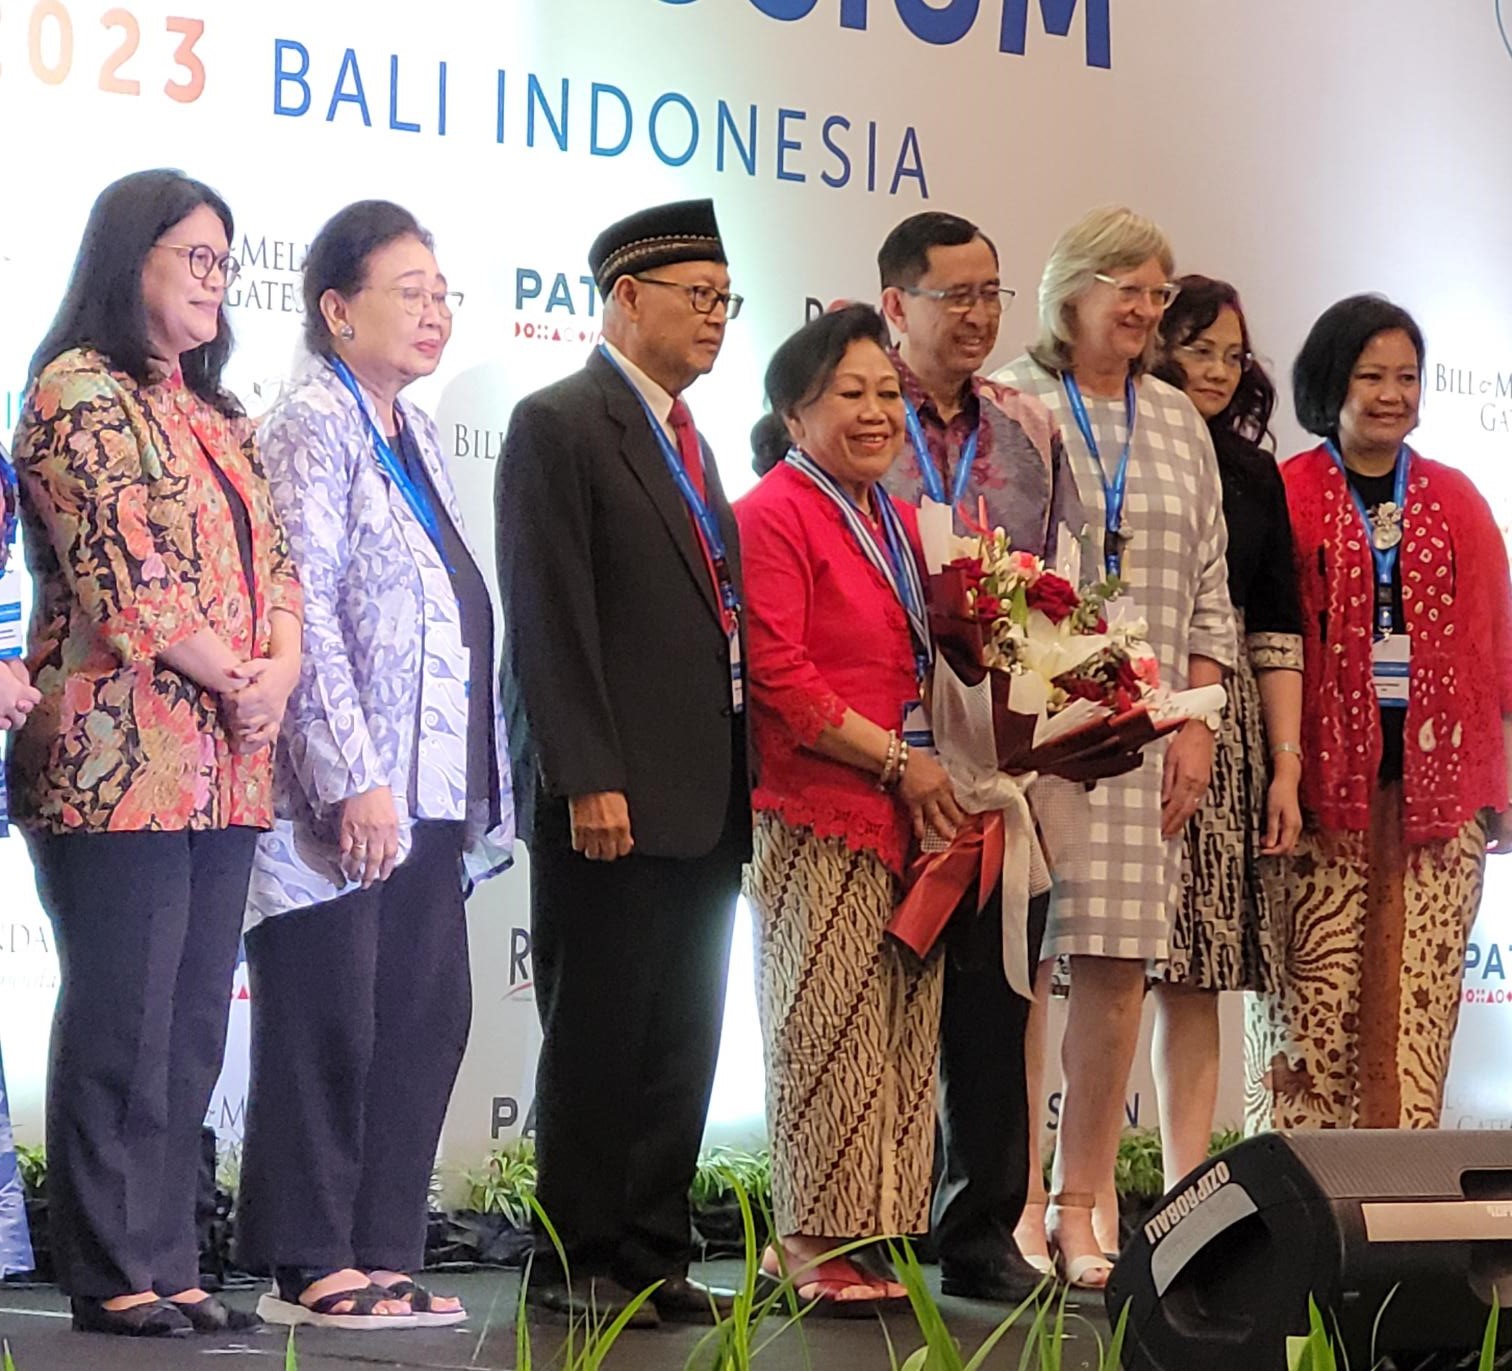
x=347, y=332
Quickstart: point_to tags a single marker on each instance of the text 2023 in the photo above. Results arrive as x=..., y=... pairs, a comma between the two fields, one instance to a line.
x=50, y=34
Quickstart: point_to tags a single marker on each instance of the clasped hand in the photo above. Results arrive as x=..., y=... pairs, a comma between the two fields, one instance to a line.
x=255, y=709
x=18, y=696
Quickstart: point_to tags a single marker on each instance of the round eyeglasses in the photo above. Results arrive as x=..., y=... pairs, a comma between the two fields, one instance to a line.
x=203, y=260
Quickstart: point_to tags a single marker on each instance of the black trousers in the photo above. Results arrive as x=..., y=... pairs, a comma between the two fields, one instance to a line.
x=360, y=1013
x=147, y=926
x=630, y=959
x=984, y=1099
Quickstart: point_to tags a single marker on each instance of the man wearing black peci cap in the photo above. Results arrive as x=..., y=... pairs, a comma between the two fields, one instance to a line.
x=620, y=573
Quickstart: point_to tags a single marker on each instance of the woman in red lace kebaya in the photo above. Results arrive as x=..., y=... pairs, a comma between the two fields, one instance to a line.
x=838, y=647
x=1407, y=700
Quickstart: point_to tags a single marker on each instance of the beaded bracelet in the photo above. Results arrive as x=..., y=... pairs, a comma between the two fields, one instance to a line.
x=890, y=763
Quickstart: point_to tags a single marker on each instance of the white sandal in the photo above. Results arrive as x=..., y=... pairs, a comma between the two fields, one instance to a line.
x=1076, y=1270
x=275, y=1308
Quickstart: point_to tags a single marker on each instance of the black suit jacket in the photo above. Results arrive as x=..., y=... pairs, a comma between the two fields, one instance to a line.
x=616, y=666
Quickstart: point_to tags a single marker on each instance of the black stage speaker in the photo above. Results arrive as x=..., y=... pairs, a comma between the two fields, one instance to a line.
x=1219, y=1274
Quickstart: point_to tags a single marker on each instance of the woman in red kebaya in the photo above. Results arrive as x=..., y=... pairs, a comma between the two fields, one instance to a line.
x=838, y=649
x=1407, y=727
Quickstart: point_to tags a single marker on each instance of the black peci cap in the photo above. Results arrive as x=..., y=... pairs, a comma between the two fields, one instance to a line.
x=685, y=231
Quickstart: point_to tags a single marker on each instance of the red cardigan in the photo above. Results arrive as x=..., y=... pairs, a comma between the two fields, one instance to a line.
x=1458, y=603
x=824, y=631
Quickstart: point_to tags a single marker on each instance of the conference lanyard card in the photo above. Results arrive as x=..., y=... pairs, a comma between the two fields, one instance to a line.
x=737, y=666
x=10, y=611
x=1390, y=670
x=918, y=732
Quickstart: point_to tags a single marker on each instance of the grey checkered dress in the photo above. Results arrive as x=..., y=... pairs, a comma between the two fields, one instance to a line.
x=1117, y=879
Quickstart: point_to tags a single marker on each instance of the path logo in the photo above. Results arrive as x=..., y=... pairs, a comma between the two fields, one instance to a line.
x=555, y=307
x=942, y=24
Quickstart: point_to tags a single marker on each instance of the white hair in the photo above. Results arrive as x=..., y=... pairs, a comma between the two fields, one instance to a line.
x=1105, y=241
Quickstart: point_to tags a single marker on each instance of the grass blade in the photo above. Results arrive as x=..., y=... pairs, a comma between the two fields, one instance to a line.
x=291, y=1357
x=6, y=1363
x=1488, y=1346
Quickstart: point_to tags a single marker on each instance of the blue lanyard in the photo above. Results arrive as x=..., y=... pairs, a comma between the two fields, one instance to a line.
x=933, y=486
x=393, y=468
x=892, y=558
x=703, y=516
x=1113, y=491
x=1385, y=558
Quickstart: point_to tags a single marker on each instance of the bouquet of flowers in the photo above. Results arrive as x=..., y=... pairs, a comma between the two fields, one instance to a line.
x=1035, y=674
x=1075, y=685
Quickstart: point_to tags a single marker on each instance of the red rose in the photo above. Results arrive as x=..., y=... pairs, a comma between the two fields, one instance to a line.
x=988, y=608
x=1082, y=688
x=1054, y=597
x=970, y=569
x=1126, y=678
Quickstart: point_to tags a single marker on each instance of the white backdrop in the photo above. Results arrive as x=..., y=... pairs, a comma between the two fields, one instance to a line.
x=1305, y=151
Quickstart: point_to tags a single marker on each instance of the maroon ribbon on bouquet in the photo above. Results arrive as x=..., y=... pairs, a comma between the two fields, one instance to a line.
x=939, y=881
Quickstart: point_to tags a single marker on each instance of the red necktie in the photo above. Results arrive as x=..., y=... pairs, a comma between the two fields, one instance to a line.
x=688, y=445
x=691, y=451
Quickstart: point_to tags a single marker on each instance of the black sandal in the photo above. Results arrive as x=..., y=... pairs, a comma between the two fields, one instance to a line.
x=210, y=1315
x=151, y=1319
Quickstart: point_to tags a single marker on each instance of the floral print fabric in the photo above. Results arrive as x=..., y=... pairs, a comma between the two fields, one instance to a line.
x=385, y=666
x=132, y=549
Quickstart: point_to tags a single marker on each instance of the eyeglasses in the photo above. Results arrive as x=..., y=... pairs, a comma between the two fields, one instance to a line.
x=962, y=299
x=1162, y=296
x=203, y=259
x=704, y=299
x=413, y=300
x=1205, y=354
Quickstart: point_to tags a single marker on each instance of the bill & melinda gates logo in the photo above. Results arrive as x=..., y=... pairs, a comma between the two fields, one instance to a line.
x=943, y=24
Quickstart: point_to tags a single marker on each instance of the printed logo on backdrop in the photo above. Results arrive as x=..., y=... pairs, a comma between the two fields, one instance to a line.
x=27, y=958
x=950, y=22
x=1504, y=22
x=270, y=279
x=505, y=1115
x=553, y=307
x=1486, y=967
x=1485, y=391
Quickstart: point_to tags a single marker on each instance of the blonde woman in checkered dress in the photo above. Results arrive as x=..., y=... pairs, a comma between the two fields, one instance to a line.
x=1102, y=296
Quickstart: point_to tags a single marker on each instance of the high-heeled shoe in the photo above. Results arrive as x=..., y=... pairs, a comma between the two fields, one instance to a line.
x=151, y=1319
x=1090, y=1270
x=1040, y=1261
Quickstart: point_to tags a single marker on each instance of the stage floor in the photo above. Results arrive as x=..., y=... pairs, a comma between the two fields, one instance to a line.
x=36, y=1325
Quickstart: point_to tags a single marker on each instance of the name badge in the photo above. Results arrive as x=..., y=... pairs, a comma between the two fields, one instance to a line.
x=1391, y=670
x=917, y=730
x=737, y=666
x=10, y=611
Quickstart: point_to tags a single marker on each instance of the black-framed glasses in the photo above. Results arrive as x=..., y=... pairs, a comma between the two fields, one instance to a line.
x=704, y=299
x=413, y=300
x=1130, y=293
x=203, y=259
x=963, y=299
x=1205, y=354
